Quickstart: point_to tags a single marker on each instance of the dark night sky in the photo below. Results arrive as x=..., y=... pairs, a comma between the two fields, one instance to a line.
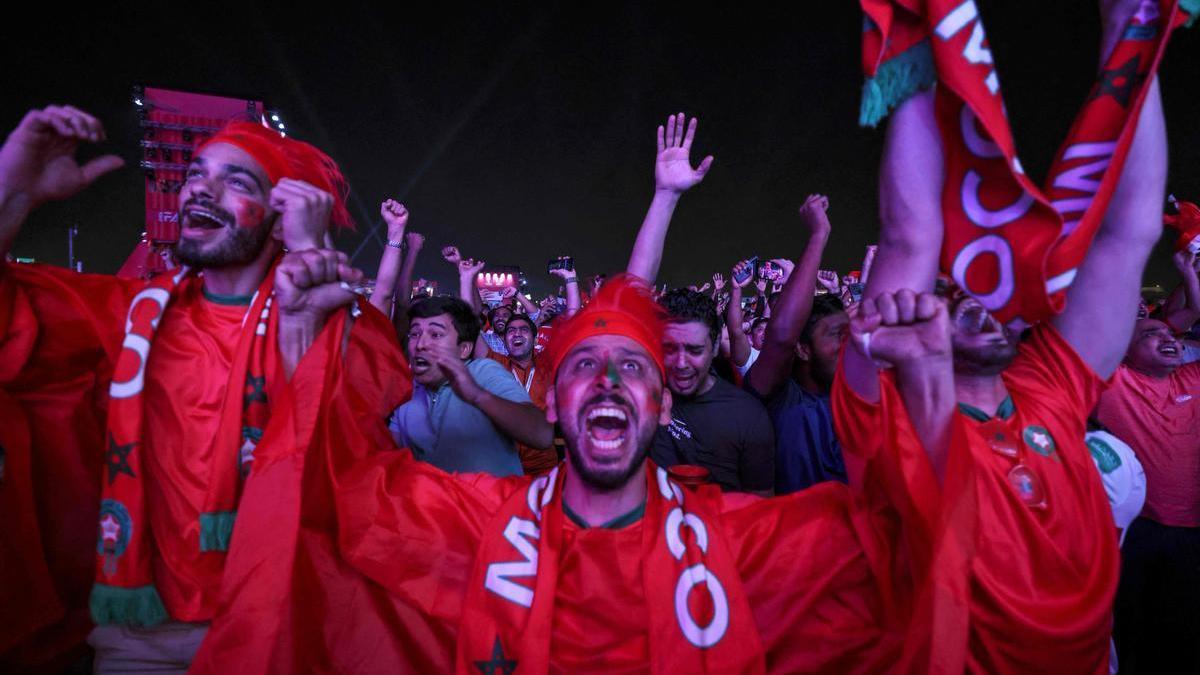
x=520, y=134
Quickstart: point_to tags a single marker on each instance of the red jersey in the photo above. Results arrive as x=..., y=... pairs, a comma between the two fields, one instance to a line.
x=1039, y=581
x=824, y=571
x=187, y=376
x=1160, y=419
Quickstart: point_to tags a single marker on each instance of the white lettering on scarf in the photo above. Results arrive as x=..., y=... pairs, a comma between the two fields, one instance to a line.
x=710, y=635
x=139, y=344
x=500, y=575
x=522, y=533
x=974, y=51
x=1085, y=178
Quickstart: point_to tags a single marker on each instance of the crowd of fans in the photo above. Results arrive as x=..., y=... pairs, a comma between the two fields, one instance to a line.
x=242, y=464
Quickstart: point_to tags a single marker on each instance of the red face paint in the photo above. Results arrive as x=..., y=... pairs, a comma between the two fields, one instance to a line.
x=248, y=214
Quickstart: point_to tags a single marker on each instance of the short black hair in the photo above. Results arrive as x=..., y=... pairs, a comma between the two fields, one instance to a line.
x=533, y=328
x=461, y=314
x=824, y=305
x=754, y=324
x=492, y=312
x=684, y=305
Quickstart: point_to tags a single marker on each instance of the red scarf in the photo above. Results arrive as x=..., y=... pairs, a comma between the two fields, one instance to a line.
x=1013, y=246
x=124, y=591
x=698, y=622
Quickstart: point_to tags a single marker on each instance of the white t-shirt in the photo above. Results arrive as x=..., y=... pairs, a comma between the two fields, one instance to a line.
x=1122, y=475
x=742, y=370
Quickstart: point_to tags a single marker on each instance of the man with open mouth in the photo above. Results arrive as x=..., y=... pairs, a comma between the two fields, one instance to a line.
x=605, y=563
x=150, y=400
x=522, y=360
x=1153, y=404
x=466, y=414
x=713, y=423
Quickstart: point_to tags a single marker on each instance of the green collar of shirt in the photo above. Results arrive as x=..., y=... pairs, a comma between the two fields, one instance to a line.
x=226, y=299
x=614, y=524
x=1006, y=410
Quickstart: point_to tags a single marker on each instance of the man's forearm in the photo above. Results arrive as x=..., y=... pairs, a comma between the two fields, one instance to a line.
x=14, y=209
x=739, y=344
x=648, y=248
x=573, y=299
x=385, y=281
x=788, y=319
x=521, y=421
x=296, y=336
x=927, y=389
x=404, y=287
x=796, y=301
x=530, y=308
x=1183, y=307
x=468, y=292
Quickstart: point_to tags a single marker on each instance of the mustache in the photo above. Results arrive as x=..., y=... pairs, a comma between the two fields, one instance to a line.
x=615, y=399
x=225, y=217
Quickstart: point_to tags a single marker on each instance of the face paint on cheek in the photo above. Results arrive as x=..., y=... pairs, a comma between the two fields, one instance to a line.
x=249, y=214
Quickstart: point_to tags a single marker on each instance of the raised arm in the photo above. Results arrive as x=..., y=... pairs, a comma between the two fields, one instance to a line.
x=468, y=269
x=673, y=175
x=396, y=217
x=1183, y=307
x=1103, y=299
x=571, y=287
x=911, y=174
x=911, y=333
x=38, y=165
x=774, y=364
x=739, y=343
x=530, y=308
x=413, y=242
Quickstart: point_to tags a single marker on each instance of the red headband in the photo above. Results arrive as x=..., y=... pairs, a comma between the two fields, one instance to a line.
x=281, y=157
x=623, y=306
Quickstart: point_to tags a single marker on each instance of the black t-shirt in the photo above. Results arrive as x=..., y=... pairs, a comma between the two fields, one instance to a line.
x=725, y=430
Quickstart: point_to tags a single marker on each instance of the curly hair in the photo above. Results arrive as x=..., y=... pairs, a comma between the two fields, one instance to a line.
x=684, y=306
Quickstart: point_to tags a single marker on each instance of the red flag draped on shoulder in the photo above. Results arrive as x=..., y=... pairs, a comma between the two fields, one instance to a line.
x=1011, y=244
x=289, y=602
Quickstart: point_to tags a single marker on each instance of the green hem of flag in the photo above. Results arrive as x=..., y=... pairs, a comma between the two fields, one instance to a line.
x=216, y=529
x=140, y=607
x=1192, y=7
x=896, y=81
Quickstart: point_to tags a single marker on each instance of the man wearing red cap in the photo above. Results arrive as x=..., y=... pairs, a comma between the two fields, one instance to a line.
x=159, y=393
x=606, y=564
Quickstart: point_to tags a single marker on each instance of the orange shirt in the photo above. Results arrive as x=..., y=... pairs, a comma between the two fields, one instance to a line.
x=185, y=389
x=1160, y=420
x=537, y=382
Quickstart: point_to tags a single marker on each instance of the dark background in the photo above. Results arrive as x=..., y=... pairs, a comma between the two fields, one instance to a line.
x=523, y=133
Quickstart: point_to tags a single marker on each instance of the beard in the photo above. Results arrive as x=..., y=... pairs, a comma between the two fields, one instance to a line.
x=240, y=246
x=610, y=477
x=987, y=359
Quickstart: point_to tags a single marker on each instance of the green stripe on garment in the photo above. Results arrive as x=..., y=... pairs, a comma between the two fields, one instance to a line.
x=140, y=607
x=216, y=529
